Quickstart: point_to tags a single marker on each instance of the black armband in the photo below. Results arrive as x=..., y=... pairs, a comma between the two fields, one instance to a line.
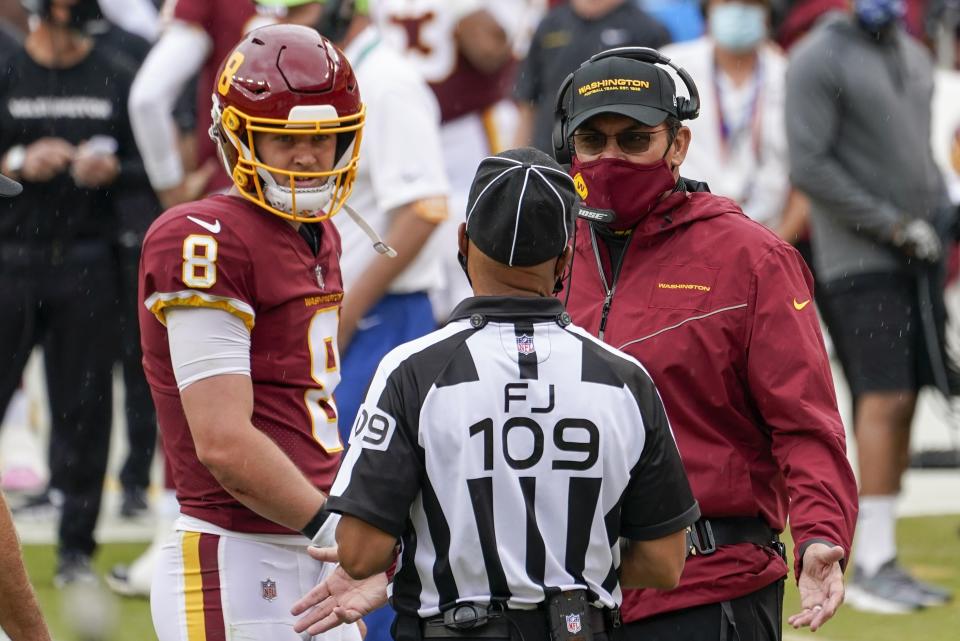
x=313, y=525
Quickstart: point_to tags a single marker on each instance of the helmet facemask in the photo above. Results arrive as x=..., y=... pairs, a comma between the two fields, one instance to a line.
x=234, y=132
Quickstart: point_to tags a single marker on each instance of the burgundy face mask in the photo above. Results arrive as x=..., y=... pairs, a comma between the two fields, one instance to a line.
x=631, y=190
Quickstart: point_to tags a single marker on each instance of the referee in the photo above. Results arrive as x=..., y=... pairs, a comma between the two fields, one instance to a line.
x=527, y=469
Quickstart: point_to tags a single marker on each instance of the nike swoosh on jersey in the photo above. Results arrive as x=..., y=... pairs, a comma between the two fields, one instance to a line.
x=213, y=228
x=799, y=306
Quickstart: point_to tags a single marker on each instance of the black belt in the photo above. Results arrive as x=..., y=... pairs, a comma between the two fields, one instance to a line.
x=499, y=622
x=706, y=535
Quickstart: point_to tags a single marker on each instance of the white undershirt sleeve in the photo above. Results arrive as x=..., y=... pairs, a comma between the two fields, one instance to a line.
x=137, y=16
x=206, y=342
x=177, y=57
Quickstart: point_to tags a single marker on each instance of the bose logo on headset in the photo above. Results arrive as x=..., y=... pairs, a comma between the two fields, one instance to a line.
x=686, y=108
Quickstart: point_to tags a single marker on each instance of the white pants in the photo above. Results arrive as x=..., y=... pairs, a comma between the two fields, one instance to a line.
x=208, y=587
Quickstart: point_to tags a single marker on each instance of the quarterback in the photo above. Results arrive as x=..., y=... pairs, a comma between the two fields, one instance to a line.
x=241, y=295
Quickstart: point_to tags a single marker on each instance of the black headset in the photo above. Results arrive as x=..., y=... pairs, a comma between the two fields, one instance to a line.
x=687, y=108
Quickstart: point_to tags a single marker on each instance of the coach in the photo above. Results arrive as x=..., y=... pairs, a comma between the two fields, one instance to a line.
x=527, y=468
x=719, y=310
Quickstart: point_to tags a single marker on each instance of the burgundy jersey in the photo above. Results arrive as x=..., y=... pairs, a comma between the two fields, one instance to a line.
x=227, y=253
x=225, y=21
x=424, y=30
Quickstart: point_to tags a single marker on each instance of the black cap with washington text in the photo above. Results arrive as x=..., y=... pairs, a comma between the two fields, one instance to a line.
x=638, y=90
x=521, y=207
x=9, y=187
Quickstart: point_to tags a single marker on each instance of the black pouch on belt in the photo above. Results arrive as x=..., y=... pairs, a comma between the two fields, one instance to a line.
x=568, y=615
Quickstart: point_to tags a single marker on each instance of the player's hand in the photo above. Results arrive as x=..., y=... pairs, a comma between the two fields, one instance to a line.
x=94, y=170
x=337, y=599
x=193, y=186
x=45, y=158
x=821, y=586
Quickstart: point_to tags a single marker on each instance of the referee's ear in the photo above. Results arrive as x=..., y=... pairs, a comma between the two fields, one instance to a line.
x=462, y=239
x=563, y=262
x=463, y=246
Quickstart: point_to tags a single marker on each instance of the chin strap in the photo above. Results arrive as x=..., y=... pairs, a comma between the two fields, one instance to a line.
x=378, y=244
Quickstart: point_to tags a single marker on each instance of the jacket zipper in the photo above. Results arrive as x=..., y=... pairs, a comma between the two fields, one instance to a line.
x=607, y=289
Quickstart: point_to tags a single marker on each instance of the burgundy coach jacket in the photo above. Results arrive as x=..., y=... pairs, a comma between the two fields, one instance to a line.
x=720, y=311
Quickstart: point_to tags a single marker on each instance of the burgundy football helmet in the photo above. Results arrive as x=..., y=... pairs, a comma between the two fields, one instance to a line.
x=288, y=79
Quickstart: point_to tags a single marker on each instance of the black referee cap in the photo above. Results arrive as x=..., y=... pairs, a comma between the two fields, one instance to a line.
x=521, y=207
x=9, y=187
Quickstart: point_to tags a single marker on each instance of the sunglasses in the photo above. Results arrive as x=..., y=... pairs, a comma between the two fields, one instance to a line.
x=630, y=142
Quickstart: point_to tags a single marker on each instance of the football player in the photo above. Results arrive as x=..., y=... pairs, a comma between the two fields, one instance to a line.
x=197, y=35
x=241, y=296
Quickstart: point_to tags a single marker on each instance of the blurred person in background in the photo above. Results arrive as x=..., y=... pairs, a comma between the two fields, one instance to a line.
x=20, y=615
x=741, y=149
x=22, y=469
x=464, y=50
x=858, y=122
x=66, y=136
x=141, y=17
x=568, y=35
x=801, y=16
x=682, y=18
x=196, y=35
x=133, y=203
x=134, y=207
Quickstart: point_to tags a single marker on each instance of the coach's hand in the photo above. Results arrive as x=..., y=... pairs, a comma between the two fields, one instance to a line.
x=821, y=586
x=339, y=598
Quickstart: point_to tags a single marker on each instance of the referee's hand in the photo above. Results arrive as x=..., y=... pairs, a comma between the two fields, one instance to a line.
x=338, y=598
x=821, y=586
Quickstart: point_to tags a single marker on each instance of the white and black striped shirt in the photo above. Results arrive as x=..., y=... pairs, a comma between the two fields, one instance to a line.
x=509, y=451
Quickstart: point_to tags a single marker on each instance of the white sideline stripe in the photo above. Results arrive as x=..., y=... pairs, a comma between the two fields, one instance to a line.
x=683, y=322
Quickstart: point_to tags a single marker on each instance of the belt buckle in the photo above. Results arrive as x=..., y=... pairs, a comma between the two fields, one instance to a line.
x=700, y=538
x=466, y=616
x=780, y=548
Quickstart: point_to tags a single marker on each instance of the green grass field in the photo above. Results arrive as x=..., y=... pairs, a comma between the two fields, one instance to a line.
x=928, y=546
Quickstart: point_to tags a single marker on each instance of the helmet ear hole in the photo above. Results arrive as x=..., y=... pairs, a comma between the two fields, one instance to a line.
x=344, y=141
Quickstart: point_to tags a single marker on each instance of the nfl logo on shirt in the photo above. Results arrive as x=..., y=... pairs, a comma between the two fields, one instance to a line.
x=525, y=344
x=573, y=620
x=268, y=590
